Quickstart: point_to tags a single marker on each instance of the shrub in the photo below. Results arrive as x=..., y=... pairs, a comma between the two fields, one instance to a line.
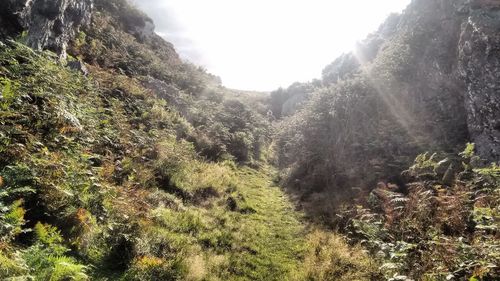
x=12, y=222
x=46, y=258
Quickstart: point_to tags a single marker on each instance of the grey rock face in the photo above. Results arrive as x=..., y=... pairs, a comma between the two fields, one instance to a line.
x=461, y=66
x=49, y=24
x=424, y=89
x=78, y=66
x=146, y=31
x=453, y=84
x=479, y=64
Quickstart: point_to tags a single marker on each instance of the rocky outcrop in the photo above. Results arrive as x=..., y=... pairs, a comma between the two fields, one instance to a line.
x=78, y=66
x=446, y=55
x=456, y=70
x=47, y=24
x=454, y=73
x=479, y=62
x=145, y=31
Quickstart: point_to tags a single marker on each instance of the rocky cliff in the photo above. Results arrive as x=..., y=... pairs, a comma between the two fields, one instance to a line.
x=47, y=24
x=460, y=59
x=449, y=84
x=479, y=66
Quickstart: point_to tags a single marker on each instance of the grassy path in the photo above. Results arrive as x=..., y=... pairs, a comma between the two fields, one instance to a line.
x=272, y=234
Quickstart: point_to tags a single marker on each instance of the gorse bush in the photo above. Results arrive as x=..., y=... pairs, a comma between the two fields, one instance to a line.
x=286, y=102
x=344, y=137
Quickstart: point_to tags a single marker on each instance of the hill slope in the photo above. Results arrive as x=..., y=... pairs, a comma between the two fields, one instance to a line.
x=416, y=93
x=425, y=81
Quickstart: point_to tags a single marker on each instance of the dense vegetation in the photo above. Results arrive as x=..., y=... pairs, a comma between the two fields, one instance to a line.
x=141, y=166
x=143, y=169
x=345, y=150
x=97, y=183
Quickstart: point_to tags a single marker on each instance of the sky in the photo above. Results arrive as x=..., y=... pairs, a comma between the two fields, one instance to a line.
x=262, y=45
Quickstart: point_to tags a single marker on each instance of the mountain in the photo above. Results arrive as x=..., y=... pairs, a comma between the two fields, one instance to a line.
x=121, y=161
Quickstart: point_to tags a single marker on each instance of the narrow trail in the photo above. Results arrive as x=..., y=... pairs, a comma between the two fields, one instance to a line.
x=277, y=242
x=272, y=233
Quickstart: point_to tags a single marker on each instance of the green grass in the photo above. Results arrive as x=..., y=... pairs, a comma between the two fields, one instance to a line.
x=270, y=237
x=249, y=231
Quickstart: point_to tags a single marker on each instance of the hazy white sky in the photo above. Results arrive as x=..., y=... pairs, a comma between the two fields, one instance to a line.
x=264, y=44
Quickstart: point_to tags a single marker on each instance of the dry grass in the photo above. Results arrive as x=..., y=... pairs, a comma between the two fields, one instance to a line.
x=329, y=257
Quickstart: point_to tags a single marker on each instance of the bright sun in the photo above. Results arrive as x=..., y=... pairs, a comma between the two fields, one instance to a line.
x=265, y=44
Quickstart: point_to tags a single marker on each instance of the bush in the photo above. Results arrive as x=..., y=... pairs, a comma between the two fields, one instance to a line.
x=47, y=260
x=11, y=224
